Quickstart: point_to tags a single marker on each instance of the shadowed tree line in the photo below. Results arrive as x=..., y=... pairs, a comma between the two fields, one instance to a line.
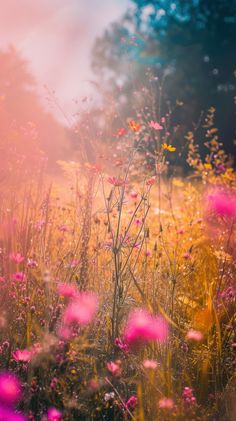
x=188, y=45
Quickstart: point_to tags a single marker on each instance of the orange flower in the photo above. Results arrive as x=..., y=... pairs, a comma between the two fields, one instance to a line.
x=169, y=148
x=134, y=126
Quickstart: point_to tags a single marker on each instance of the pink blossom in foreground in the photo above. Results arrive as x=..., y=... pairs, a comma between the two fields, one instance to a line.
x=131, y=402
x=155, y=125
x=82, y=309
x=10, y=388
x=54, y=414
x=114, y=368
x=23, y=355
x=150, y=364
x=18, y=276
x=16, y=257
x=67, y=290
x=188, y=398
x=2, y=279
x=194, y=335
x=166, y=403
x=223, y=203
x=7, y=414
x=143, y=327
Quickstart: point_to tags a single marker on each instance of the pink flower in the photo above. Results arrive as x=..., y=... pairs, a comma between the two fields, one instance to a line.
x=116, y=181
x=16, y=257
x=121, y=132
x=188, y=398
x=152, y=364
x=142, y=327
x=23, y=355
x=7, y=414
x=121, y=345
x=2, y=279
x=54, y=414
x=54, y=383
x=133, y=195
x=18, y=276
x=67, y=290
x=154, y=125
x=166, y=403
x=10, y=388
x=151, y=181
x=114, y=368
x=31, y=263
x=82, y=309
x=131, y=402
x=194, y=335
x=223, y=203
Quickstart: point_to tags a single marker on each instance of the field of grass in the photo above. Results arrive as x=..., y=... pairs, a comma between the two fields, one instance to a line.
x=117, y=289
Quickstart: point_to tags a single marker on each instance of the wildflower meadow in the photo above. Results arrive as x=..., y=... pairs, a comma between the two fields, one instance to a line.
x=117, y=262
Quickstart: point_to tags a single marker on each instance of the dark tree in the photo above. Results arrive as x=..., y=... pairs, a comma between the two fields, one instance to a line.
x=191, y=44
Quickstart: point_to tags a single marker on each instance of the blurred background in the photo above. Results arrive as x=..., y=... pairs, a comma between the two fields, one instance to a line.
x=65, y=65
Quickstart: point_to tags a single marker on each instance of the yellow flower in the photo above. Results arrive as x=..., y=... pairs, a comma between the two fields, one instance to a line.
x=169, y=148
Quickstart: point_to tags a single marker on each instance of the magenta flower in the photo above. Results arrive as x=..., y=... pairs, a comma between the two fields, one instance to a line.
x=131, y=402
x=82, y=309
x=23, y=355
x=188, y=398
x=121, y=345
x=67, y=290
x=54, y=414
x=10, y=388
x=223, y=203
x=142, y=327
x=18, y=276
x=7, y=414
